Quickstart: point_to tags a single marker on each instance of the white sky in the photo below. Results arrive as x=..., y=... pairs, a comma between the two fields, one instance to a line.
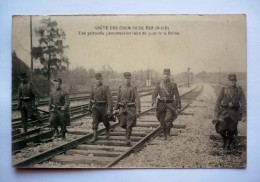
x=205, y=43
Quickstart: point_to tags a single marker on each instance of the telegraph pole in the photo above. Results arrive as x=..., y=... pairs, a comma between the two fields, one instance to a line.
x=141, y=75
x=31, y=48
x=189, y=77
x=219, y=76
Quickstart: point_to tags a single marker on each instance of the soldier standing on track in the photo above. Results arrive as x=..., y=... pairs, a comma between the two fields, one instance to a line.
x=229, y=109
x=28, y=100
x=168, y=104
x=100, y=104
x=59, y=108
x=127, y=106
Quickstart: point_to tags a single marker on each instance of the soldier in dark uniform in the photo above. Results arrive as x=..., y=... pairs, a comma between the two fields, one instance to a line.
x=229, y=109
x=127, y=106
x=101, y=105
x=59, y=108
x=28, y=100
x=168, y=103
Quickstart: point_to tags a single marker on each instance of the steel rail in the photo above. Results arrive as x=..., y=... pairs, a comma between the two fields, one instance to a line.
x=149, y=136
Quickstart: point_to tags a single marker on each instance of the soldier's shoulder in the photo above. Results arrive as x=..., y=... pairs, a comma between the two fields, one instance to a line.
x=223, y=88
x=174, y=84
x=64, y=92
x=106, y=87
x=92, y=87
x=239, y=87
x=134, y=86
x=157, y=84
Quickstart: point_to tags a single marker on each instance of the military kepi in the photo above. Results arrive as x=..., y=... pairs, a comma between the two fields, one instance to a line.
x=58, y=80
x=232, y=77
x=127, y=75
x=167, y=71
x=98, y=75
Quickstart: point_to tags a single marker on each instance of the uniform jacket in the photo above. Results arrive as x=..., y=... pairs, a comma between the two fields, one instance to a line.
x=27, y=96
x=167, y=90
x=230, y=97
x=100, y=93
x=128, y=94
x=58, y=98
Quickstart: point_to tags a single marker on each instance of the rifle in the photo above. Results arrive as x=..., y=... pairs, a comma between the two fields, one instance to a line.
x=111, y=117
x=87, y=110
x=43, y=111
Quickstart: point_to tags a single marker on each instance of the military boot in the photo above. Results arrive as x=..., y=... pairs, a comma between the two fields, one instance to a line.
x=164, y=132
x=168, y=131
x=94, y=135
x=229, y=141
x=224, y=138
x=107, y=132
x=25, y=129
x=236, y=132
x=128, y=134
x=63, y=137
x=56, y=133
x=161, y=132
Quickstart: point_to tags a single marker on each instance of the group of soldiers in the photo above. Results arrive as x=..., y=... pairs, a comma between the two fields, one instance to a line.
x=128, y=106
x=230, y=106
x=28, y=101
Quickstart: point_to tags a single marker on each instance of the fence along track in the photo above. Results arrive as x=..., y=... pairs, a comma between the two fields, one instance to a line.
x=104, y=152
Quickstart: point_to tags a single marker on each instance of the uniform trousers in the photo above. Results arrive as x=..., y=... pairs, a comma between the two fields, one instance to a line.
x=127, y=117
x=99, y=115
x=57, y=119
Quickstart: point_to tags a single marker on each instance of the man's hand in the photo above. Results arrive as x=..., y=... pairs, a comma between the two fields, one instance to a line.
x=116, y=111
x=214, y=120
x=63, y=108
x=153, y=104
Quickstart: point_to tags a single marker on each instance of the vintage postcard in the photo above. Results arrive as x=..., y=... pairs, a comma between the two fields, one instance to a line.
x=129, y=91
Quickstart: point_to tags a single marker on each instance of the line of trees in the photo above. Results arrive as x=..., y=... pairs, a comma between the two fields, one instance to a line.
x=50, y=53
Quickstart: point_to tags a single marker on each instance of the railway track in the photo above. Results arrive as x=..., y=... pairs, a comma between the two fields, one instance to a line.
x=106, y=152
x=74, y=110
x=38, y=130
x=76, y=97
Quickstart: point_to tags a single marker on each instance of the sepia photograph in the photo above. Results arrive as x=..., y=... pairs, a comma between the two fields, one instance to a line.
x=129, y=91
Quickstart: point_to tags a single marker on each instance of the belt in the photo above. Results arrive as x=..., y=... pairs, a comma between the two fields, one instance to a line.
x=231, y=107
x=129, y=104
x=101, y=102
x=56, y=107
x=165, y=101
x=25, y=98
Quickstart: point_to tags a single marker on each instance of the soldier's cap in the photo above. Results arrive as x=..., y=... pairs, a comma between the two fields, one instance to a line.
x=23, y=75
x=58, y=80
x=232, y=77
x=167, y=71
x=98, y=75
x=127, y=75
